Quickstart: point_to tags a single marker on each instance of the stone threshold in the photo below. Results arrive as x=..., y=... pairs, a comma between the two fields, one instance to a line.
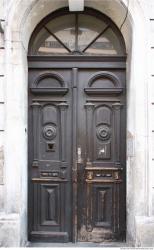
x=79, y=244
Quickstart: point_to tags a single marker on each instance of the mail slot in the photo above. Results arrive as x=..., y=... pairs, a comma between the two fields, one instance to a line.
x=98, y=174
x=49, y=174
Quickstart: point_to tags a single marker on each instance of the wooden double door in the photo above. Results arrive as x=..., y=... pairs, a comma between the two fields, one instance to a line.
x=76, y=153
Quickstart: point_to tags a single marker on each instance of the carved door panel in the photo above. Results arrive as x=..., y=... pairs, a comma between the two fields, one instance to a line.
x=101, y=165
x=76, y=151
x=50, y=208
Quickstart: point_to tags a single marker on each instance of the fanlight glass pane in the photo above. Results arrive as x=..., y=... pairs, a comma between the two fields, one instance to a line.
x=46, y=44
x=51, y=46
x=55, y=37
x=89, y=28
x=107, y=44
x=64, y=28
x=78, y=33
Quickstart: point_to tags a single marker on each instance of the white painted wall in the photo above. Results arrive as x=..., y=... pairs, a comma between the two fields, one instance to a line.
x=21, y=17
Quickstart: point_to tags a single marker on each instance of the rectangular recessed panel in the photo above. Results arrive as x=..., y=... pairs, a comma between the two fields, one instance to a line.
x=102, y=206
x=103, y=133
x=49, y=148
x=50, y=204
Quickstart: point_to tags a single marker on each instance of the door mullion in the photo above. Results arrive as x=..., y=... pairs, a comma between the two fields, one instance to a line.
x=74, y=146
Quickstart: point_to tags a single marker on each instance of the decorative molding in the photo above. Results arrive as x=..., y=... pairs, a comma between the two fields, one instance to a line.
x=63, y=123
x=62, y=90
x=49, y=132
x=117, y=105
x=89, y=105
x=103, y=91
x=55, y=75
x=51, y=91
x=36, y=109
x=116, y=89
x=104, y=74
x=103, y=132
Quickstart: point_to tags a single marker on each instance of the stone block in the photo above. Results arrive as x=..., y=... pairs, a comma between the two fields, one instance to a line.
x=2, y=9
x=1, y=198
x=16, y=36
x=152, y=61
x=151, y=117
x=153, y=199
x=1, y=158
x=2, y=117
x=2, y=54
x=1, y=40
x=1, y=138
x=1, y=68
x=151, y=91
x=111, y=8
x=9, y=230
x=144, y=231
x=152, y=32
x=1, y=89
x=151, y=8
x=1, y=165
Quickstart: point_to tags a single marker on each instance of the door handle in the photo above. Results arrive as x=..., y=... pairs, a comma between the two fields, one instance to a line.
x=79, y=155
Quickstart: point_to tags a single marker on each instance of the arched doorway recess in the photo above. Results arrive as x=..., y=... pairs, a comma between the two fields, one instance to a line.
x=22, y=19
x=77, y=128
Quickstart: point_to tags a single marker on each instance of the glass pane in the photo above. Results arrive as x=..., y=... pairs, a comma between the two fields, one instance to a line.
x=45, y=44
x=51, y=46
x=58, y=37
x=89, y=28
x=64, y=28
x=107, y=44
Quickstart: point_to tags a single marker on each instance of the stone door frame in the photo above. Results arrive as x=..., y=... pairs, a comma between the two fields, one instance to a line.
x=22, y=19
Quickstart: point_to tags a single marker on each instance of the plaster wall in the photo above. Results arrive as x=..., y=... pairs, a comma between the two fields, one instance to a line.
x=21, y=17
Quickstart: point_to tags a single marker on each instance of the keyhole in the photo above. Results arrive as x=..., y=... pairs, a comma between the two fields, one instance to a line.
x=50, y=146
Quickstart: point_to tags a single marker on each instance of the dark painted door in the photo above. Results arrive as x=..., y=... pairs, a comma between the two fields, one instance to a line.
x=76, y=149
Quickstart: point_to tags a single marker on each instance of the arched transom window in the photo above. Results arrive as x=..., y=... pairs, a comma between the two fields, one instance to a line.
x=88, y=33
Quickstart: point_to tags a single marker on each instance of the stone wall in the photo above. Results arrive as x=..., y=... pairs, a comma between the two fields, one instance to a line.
x=135, y=19
x=2, y=114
